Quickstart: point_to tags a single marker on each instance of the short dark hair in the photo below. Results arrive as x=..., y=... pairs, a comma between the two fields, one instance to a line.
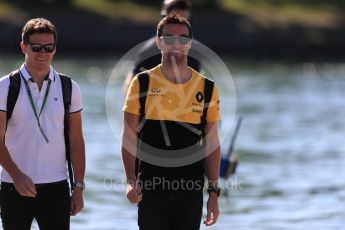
x=38, y=25
x=173, y=18
x=170, y=5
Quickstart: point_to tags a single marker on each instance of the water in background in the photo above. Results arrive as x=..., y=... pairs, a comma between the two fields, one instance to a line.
x=290, y=146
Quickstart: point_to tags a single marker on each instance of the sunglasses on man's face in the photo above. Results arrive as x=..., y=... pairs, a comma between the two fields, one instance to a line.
x=169, y=40
x=37, y=48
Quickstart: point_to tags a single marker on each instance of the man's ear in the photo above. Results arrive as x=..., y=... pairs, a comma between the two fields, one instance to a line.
x=158, y=43
x=23, y=47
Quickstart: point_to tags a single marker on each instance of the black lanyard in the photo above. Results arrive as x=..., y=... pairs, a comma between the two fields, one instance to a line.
x=37, y=115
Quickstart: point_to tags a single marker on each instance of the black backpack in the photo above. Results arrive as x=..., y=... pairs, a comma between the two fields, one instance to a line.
x=66, y=84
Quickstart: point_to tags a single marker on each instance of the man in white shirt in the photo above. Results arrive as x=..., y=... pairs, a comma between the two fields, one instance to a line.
x=32, y=148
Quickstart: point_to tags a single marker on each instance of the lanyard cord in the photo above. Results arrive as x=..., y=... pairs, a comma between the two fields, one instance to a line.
x=33, y=105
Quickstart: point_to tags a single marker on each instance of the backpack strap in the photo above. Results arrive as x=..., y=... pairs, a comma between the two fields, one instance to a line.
x=13, y=92
x=66, y=85
x=144, y=86
x=144, y=80
x=208, y=90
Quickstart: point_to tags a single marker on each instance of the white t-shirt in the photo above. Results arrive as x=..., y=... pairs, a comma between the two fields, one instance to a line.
x=43, y=162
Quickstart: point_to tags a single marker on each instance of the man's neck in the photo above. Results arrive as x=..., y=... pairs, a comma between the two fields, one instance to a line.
x=38, y=75
x=176, y=73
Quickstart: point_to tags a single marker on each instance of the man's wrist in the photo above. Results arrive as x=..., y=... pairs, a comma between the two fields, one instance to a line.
x=15, y=172
x=132, y=180
x=213, y=191
x=79, y=185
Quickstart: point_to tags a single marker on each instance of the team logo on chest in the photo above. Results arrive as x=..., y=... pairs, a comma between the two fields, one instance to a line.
x=197, y=107
x=199, y=96
x=156, y=92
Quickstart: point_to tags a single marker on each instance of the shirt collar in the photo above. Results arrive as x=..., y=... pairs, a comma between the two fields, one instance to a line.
x=27, y=76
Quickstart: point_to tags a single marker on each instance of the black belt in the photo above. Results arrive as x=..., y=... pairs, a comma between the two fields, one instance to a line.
x=41, y=185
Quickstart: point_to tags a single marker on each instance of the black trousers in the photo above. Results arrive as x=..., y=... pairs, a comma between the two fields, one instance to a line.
x=170, y=210
x=50, y=207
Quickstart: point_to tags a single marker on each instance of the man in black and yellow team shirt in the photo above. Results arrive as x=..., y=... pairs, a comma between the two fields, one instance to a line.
x=170, y=137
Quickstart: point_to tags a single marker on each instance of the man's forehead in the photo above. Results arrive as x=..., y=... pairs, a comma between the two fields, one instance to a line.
x=42, y=36
x=175, y=29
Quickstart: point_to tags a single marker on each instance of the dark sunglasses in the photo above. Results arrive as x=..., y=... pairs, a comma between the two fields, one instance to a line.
x=37, y=48
x=169, y=40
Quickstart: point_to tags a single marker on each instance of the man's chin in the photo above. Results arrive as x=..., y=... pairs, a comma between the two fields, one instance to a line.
x=42, y=65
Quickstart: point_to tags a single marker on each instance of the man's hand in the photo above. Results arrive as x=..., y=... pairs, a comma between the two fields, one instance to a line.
x=77, y=201
x=133, y=193
x=24, y=185
x=212, y=209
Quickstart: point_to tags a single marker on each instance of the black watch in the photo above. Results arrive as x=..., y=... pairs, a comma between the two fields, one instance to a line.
x=216, y=190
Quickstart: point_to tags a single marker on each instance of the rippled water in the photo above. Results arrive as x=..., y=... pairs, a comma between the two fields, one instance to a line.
x=290, y=146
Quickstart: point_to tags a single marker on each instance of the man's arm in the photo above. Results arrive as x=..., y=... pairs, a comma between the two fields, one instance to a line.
x=22, y=182
x=129, y=149
x=77, y=149
x=127, y=82
x=212, y=168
